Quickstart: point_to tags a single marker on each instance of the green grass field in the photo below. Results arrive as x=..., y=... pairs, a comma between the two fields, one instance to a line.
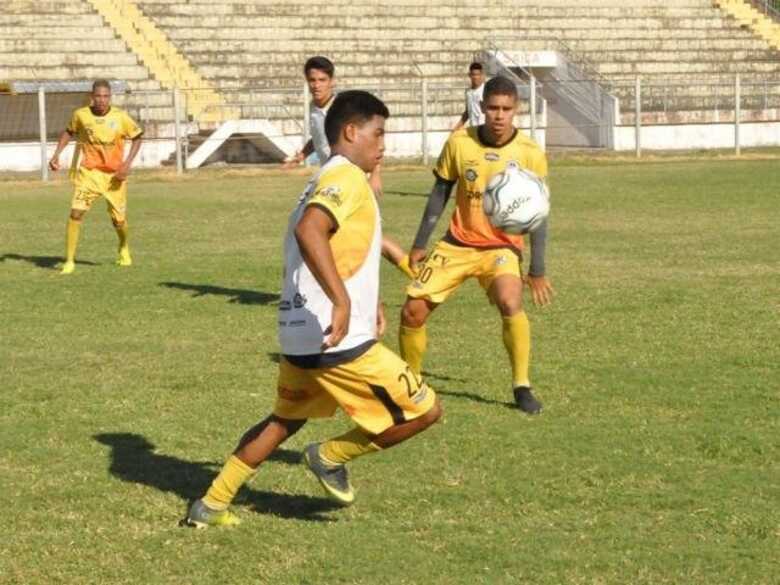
x=655, y=461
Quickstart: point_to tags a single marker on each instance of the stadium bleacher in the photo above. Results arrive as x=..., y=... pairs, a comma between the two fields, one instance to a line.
x=251, y=51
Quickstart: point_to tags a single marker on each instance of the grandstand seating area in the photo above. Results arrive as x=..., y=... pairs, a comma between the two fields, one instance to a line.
x=251, y=51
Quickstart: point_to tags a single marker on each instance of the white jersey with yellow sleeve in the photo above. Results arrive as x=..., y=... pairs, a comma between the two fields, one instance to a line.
x=341, y=189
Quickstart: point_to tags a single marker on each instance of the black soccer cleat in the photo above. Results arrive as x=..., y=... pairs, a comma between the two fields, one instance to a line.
x=526, y=401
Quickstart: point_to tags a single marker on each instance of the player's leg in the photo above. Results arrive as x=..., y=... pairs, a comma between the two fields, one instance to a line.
x=254, y=447
x=506, y=292
x=442, y=272
x=388, y=403
x=116, y=198
x=298, y=399
x=413, y=335
x=72, y=233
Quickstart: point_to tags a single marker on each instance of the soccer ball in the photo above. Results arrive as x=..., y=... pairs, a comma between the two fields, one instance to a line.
x=516, y=201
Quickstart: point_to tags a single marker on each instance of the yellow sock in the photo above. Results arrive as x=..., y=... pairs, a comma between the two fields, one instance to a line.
x=225, y=486
x=347, y=447
x=122, y=233
x=405, y=267
x=413, y=343
x=517, y=340
x=72, y=239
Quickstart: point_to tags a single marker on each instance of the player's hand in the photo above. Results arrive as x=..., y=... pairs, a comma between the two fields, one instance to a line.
x=293, y=161
x=541, y=290
x=416, y=256
x=54, y=163
x=339, y=326
x=381, y=320
x=121, y=173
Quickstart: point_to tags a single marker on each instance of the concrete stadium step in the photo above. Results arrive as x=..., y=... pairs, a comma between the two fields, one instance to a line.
x=80, y=45
x=43, y=7
x=691, y=69
x=54, y=32
x=35, y=21
x=679, y=56
x=489, y=24
x=426, y=10
x=68, y=72
x=71, y=59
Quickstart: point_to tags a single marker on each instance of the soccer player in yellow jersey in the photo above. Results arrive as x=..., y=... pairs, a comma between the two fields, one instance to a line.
x=330, y=319
x=99, y=167
x=472, y=248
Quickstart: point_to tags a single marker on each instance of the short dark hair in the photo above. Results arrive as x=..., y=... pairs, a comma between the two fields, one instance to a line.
x=499, y=86
x=354, y=106
x=475, y=66
x=101, y=83
x=319, y=63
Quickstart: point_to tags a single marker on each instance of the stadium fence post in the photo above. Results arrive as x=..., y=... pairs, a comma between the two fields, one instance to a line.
x=737, y=114
x=424, y=120
x=532, y=109
x=42, y=127
x=306, y=101
x=177, y=129
x=638, y=116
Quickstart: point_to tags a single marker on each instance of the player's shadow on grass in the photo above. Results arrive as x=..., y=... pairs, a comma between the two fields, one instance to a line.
x=134, y=459
x=476, y=398
x=407, y=193
x=237, y=295
x=48, y=262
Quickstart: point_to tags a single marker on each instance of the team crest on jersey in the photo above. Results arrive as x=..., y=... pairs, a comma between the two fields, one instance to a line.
x=492, y=156
x=112, y=124
x=299, y=300
x=471, y=175
x=501, y=260
x=332, y=193
x=513, y=164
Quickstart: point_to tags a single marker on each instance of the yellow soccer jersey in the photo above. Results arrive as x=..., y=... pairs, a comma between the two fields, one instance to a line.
x=342, y=190
x=470, y=162
x=101, y=139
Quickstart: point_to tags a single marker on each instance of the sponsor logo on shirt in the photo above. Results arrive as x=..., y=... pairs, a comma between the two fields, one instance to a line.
x=492, y=156
x=332, y=194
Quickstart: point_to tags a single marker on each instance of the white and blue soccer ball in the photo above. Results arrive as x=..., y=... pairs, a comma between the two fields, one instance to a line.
x=516, y=201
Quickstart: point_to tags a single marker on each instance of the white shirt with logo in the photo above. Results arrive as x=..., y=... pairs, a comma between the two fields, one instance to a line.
x=305, y=311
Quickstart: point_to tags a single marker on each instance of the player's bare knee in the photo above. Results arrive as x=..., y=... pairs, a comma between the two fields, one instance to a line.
x=414, y=313
x=76, y=214
x=509, y=305
x=118, y=223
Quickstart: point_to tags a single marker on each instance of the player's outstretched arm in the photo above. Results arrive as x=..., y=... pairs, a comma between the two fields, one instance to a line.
x=299, y=156
x=541, y=288
x=437, y=201
x=54, y=162
x=313, y=235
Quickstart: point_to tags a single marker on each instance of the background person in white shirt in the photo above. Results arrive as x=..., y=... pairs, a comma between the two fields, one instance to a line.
x=473, y=113
x=319, y=72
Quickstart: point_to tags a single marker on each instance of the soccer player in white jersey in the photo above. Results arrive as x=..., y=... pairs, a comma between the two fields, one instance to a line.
x=473, y=113
x=319, y=73
x=330, y=319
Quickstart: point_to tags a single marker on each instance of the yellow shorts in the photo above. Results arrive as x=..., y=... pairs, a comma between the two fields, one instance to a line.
x=91, y=184
x=447, y=266
x=377, y=390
